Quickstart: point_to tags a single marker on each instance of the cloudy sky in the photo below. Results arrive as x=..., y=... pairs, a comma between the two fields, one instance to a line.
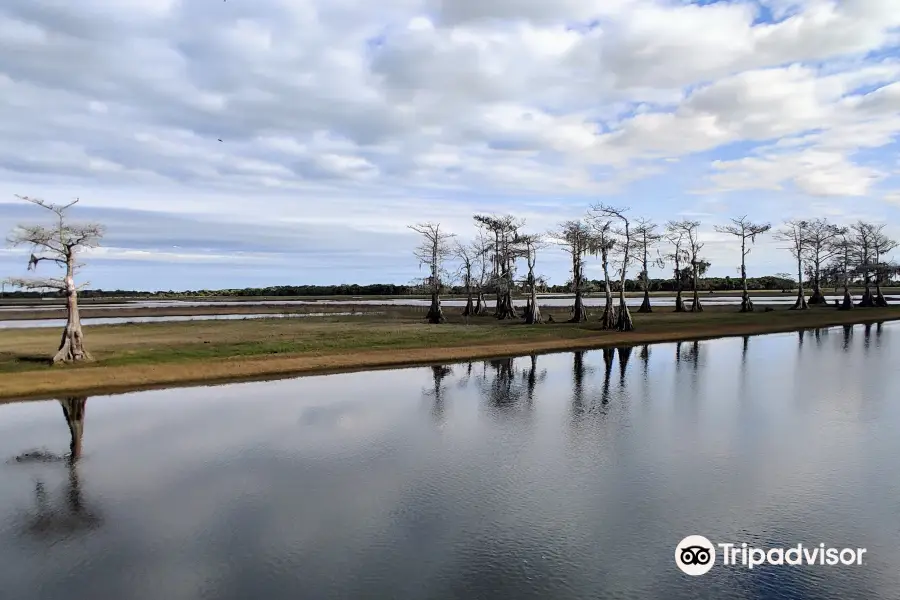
x=343, y=121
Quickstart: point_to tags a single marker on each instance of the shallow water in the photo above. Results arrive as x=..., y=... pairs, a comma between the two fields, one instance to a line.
x=88, y=321
x=572, y=479
x=544, y=300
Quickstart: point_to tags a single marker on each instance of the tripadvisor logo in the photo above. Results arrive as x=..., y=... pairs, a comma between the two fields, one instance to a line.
x=696, y=555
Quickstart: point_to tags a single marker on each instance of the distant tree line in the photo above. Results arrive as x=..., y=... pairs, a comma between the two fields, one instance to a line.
x=770, y=282
x=825, y=255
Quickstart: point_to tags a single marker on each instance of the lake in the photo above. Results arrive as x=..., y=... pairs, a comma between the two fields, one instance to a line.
x=90, y=321
x=543, y=300
x=566, y=476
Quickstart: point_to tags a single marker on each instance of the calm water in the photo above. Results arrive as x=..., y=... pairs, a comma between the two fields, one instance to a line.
x=574, y=477
x=88, y=321
x=545, y=300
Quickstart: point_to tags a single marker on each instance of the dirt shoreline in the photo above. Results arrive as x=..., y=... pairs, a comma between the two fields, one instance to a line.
x=117, y=379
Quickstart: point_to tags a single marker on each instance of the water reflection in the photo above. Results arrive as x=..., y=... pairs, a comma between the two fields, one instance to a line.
x=624, y=356
x=437, y=391
x=68, y=514
x=579, y=371
x=533, y=377
x=609, y=355
x=645, y=359
x=216, y=495
x=848, y=336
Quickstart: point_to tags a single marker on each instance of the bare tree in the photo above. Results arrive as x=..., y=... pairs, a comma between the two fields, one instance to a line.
x=482, y=249
x=745, y=230
x=646, y=239
x=623, y=244
x=795, y=233
x=576, y=239
x=881, y=246
x=840, y=266
x=820, y=246
x=60, y=244
x=505, y=251
x=603, y=243
x=468, y=257
x=675, y=236
x=690, y=231
x=434, y=251
x=531, y=244
x=863, y=236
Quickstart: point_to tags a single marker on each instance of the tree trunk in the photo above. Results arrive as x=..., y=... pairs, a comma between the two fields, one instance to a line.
x=868, y=300
x=800, y=304
x=579, y=315
x=623, y=318
x=469, y=310
x=746, y=303
x=679, y=301
x=505, y=309
x=847, y=302
x=645, y=305
x=880, y=300
x=71, y=346
x=533, y=311
x=481, y=304
x=696, y=306
x=817, y=296
x=435, y=314
x=608, y=319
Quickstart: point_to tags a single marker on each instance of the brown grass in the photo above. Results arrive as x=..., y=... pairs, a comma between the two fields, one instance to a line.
x=151, y=355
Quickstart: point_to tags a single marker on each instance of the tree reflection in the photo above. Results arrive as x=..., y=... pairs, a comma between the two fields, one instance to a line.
x=579, y=372
x=533, y=377
x=505, y=387
x=692, y=356
x=624, y=356
x=745, y=346
x=608, y=357
x=817, y=334
x=437, y=391
x=848, y=335
x=70, y=514
x=645, y=360
x=867, y=336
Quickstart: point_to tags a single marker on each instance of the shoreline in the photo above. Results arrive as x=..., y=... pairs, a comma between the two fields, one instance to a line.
x=100, y=379
x=246, y=303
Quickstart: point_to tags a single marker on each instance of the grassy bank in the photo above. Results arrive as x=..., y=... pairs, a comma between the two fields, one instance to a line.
x=137, y=356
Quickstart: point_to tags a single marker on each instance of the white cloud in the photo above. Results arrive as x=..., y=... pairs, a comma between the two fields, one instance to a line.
x=368, y=116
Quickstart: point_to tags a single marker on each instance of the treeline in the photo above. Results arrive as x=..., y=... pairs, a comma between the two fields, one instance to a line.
x=771, y=282
x=377, y=289
x=824, y=254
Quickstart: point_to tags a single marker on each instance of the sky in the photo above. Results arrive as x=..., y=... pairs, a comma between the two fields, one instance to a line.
x=344, y=121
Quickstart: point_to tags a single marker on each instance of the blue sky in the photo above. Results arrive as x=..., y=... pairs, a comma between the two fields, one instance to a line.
x=333, y=144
